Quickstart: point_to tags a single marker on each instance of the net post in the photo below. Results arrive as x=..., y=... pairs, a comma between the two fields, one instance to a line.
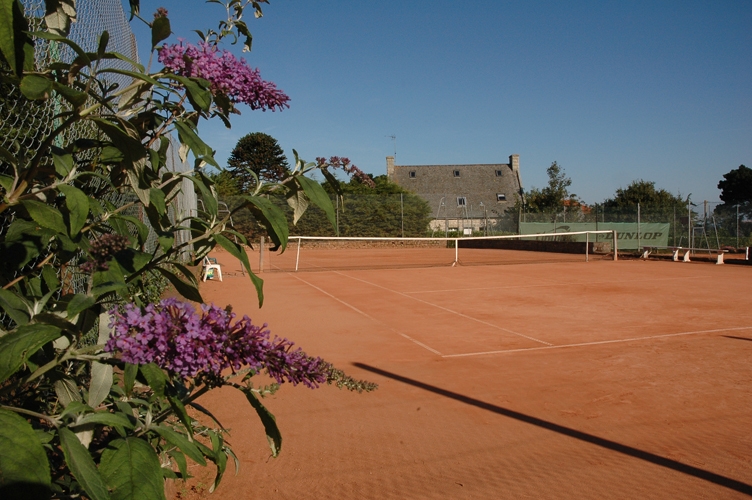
x=587, y=244
x=261, y=255
x=297, y=256
x=456, y=250
x=616, y=250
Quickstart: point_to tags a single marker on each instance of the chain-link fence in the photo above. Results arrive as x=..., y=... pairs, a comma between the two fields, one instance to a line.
x=702, y=225
x=25, y=124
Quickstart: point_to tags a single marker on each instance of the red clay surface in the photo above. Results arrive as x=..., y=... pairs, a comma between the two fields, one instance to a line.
x=604, y=379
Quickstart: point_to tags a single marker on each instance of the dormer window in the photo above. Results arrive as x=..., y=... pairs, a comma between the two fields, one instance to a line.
x=501, y=197
x=456, y=173
x=499, y=173
x=461, y=201
x=412, y=174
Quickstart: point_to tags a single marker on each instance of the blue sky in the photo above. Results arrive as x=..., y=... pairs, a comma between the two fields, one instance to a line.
x=612, y=91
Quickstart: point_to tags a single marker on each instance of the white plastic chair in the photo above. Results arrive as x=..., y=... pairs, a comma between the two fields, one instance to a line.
x=211, y=265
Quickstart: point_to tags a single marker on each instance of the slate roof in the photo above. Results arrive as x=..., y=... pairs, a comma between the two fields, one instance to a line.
x=494, y=185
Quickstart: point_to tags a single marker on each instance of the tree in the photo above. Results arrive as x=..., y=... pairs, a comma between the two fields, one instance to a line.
x=554, y=197
x=258, y=153
x=736, y=188
x=644, y=193
x=225, y=184
x=369, y=211
x=656, y=205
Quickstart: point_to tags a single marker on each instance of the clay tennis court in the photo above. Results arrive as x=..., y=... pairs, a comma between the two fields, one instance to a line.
x=575, y=379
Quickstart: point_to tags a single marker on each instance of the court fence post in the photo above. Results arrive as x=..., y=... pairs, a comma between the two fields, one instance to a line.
x=587, y=244
x=261, y=255
x=616, y=249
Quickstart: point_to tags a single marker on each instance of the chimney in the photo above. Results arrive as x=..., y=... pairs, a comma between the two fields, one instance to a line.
x=390, y=168
x=514, y=163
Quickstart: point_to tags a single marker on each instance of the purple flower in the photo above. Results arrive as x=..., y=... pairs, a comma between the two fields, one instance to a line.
x=351, y=170
x=228, y=75
x=187, y=344
x=102, y=250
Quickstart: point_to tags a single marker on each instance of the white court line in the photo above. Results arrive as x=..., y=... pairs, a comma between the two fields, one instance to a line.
x=599, y=342
x=421, y=344
x=553, y=283
x=446, y=309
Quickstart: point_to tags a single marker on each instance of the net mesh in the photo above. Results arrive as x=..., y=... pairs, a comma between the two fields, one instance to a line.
x=309, y=253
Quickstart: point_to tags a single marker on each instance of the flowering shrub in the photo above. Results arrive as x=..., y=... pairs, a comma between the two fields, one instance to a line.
x=344, y=163
x=186, y=345
x=79, y=324
x=227, y=75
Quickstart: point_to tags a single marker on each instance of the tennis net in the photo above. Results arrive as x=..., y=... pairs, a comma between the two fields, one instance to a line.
x=313, y=253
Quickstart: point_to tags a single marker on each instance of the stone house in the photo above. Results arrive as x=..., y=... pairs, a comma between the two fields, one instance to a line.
x=462, y=196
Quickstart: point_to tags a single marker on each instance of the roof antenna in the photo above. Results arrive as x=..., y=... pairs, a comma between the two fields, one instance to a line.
x=394, y=141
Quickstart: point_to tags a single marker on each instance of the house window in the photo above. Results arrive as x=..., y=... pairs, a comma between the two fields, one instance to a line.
x=461, y=201
x=412, y=174
x=456, y=173
x=499, y=173
x=501, y=197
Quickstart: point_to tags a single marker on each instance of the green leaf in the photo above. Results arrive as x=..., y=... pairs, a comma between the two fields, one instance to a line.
x=78, y=303
x=272, y=217
x=187, y=290
x=51, y=280
x=75, y=407
x=78, y=207
x=197, y=146
x=16, y=347
x=181, y=442
x=318, y=197
x=63, y=161
x=210, y=201
x=134, y=8
x=6, y=181
x=238, y=252
x=296, y=199
x=107, y=281
x=24, y=470
x=100, y=384
x=181, y=462
x=133, y=74
x=13, y=39
x=179, y=408
x=160, y=30
x=131, y=147
x=157, y=198
x=132, y=260
x=73, y=96
x=199, y=96
x=36, y=87
x=68, y=395
x=59, y=15
x=141, y=228
x=14, y=306
x=131, y=468
x=45, y=215
x=220, y=458
x=267, y=419
x=104, y=39
x=129, y=378
x=105, y=418
x=155, y=377
x=78, y=459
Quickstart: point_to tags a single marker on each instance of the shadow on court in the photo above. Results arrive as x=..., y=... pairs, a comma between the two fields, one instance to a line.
x=737, y=338
x=668, y=463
